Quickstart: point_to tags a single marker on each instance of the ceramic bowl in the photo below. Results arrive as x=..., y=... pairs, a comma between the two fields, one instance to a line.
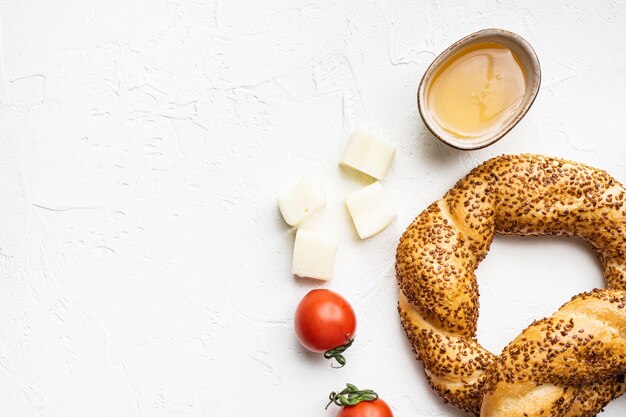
x=527, y=58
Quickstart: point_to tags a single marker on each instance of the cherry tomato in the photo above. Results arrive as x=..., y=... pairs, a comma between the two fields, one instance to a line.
x=377, y=408
x=324, y=320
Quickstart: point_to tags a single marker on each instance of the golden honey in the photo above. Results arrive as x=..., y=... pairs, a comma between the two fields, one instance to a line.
x=477, y=91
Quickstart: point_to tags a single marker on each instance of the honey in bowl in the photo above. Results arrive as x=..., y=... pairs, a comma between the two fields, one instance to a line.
x=477, y=91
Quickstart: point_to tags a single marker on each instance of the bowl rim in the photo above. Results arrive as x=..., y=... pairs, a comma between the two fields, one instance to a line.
x=464, y=144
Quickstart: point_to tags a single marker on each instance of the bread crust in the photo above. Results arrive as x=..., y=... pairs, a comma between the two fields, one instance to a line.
x=541, y=372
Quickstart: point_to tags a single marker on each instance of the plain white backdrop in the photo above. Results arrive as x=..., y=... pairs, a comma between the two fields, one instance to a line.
x=144, y=266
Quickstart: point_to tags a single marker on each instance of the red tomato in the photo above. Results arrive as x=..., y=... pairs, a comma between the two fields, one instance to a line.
x=324, y=320
x=377, y=408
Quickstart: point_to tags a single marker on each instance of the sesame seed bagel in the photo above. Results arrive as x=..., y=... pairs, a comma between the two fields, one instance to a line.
x=571, y=364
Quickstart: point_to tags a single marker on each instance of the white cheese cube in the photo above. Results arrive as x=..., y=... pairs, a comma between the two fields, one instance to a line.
x=302, y=201
x=314, y=254
x=368, y=154
x=370, y=209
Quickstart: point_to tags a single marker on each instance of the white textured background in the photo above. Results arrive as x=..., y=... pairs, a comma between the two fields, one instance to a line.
x=144, y=267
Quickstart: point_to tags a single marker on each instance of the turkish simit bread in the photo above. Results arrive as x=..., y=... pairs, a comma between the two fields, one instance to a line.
x=570, y=364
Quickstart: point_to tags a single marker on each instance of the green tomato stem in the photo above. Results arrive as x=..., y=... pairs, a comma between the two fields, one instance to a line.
x=337, y=353
x=351, y=395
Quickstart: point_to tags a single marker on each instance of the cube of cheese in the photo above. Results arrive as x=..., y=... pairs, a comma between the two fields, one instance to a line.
x=314, y=254
x=368, y=154
x=370, y=210
x=302, y=201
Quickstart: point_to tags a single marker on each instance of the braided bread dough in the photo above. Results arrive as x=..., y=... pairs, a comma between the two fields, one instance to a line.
x=571, y=364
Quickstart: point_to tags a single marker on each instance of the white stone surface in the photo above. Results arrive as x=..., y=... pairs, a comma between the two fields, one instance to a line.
x=144, y=266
